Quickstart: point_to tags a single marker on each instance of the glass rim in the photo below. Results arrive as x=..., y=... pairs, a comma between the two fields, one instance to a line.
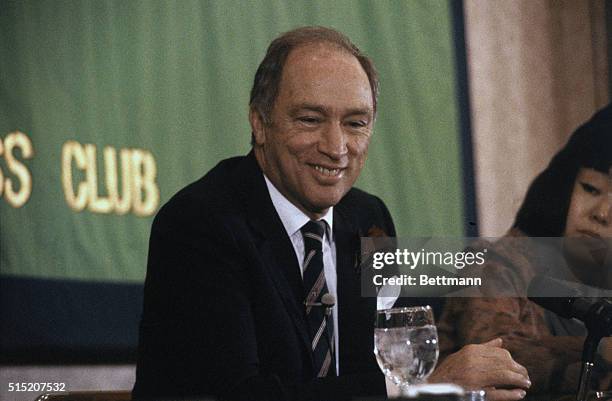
x=406, y=309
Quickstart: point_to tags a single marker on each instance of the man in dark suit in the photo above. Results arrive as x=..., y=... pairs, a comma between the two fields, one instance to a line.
x=239, y=261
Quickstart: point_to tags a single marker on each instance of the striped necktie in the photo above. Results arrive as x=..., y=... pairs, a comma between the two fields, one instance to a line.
x=314, y=284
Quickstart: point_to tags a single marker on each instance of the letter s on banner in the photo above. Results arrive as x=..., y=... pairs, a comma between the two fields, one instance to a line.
x=1, y=176
x=12, y=141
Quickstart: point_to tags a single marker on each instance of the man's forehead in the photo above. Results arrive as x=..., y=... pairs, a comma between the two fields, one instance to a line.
x=318, y=52
x=312, y=68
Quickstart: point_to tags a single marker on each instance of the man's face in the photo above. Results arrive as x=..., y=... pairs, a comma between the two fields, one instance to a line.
x=317, y=140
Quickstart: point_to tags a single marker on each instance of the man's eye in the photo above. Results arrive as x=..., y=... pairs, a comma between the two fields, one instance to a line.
x=308, y=120
x=590, y=188
x=357, y=124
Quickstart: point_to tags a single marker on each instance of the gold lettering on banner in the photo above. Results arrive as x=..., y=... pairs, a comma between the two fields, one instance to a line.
x=16, y=198
x=145, y=172
x=139, y=192
x=96, y=204
x=73, y=151
x=121, y=202
x=1, y=175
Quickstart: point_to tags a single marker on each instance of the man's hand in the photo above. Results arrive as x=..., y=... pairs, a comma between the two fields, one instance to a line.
x=605, y=350
x=485, y=366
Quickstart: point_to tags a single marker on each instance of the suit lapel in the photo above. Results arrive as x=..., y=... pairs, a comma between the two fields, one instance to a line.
x=275, y=247
x=355, y=313
x=347, y=253
x=346, y=237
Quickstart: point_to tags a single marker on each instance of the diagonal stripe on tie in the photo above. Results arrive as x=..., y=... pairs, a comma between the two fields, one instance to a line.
x=316, y=291
x=315, y=340
x=309, y=258
x=314, y=236
x=325, y=366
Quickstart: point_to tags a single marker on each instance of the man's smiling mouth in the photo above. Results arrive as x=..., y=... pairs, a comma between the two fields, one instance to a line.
x=330, y=172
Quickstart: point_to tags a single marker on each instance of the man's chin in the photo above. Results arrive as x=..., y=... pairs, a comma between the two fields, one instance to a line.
x=320, y=207
x=325, y=202
x=321, y=199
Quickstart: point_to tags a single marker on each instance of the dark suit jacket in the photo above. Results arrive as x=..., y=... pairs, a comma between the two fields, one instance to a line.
x=223, y=313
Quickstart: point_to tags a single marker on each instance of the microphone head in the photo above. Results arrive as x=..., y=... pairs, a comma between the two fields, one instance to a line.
x=545, y=287
x=559, y=297
x=328, y=300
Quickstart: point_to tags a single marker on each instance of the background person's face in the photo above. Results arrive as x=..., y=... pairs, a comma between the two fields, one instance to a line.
x=317, y=141
x=590, y=211
x=588, y=231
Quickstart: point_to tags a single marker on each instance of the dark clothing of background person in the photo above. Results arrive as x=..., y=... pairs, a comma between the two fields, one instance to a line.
x=522, y=324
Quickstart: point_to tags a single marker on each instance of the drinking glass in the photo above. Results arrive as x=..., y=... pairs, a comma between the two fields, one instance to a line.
x=406, y=344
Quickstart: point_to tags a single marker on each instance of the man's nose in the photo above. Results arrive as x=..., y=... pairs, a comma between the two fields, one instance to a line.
x=333, y=141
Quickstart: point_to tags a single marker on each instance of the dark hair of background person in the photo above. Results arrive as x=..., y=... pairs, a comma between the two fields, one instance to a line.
x=269, y=73
x=544, y=210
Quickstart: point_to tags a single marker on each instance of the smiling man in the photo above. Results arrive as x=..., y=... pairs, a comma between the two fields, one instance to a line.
x=242, y=261
x=316, y=141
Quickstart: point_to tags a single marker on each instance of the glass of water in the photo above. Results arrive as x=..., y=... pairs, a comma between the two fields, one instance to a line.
x=406, y=344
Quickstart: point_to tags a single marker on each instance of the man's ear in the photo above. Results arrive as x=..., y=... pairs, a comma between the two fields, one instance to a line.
x=258, y=127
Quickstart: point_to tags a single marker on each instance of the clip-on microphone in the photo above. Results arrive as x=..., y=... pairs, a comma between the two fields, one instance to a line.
x=327, y=301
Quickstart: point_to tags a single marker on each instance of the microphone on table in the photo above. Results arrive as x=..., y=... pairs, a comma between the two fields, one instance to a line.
x=596, y=313
x=328, y=301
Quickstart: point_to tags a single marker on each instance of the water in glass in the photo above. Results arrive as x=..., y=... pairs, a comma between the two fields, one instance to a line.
x=406, y=355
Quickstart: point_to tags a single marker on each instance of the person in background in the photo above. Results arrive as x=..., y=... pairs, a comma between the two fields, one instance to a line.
x=571, y=198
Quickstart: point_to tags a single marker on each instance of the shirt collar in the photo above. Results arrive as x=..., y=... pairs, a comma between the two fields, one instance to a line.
x=293, y=218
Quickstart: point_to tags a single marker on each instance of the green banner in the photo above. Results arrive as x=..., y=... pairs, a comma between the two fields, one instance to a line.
x=107, y=108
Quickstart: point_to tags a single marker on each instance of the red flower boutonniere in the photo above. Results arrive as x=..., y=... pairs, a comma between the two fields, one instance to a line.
x=376, y=231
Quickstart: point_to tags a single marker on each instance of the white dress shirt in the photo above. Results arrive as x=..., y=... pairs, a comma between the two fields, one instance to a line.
x=293, y=220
